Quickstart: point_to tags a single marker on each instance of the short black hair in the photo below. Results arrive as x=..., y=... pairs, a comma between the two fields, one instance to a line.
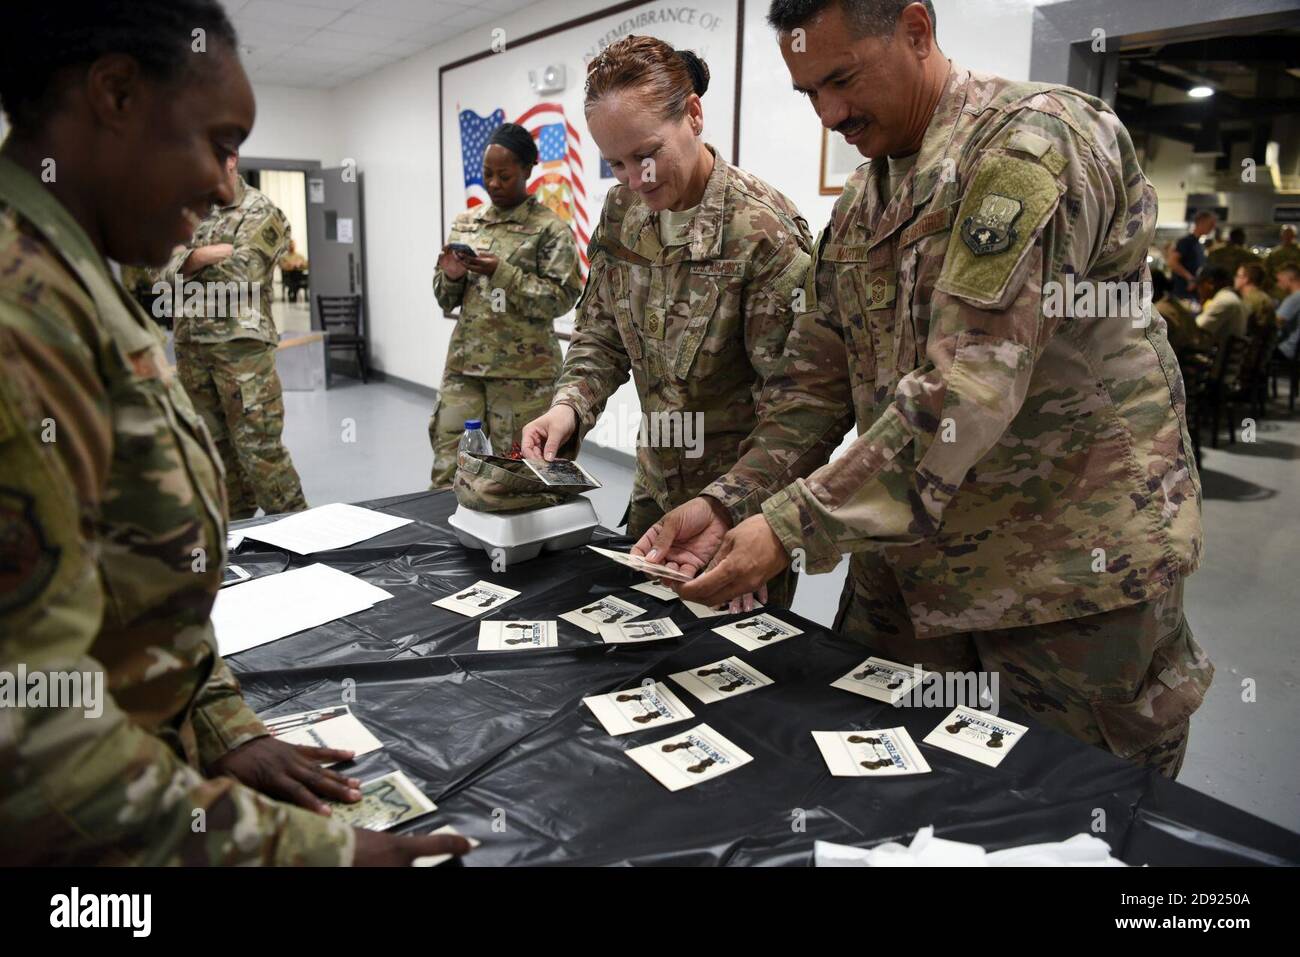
x=1217, y=276
x=518, y=141
x=872, y=17
x=43, y=38
x=1237, y=236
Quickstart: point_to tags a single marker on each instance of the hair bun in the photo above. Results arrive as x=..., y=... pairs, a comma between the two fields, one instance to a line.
x=699, y=71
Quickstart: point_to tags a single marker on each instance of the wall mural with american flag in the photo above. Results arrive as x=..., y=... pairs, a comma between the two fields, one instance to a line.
x=483, y=91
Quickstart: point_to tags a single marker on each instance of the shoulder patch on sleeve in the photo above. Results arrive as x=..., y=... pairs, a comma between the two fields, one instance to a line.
x=1008, y=202
x=27, y=560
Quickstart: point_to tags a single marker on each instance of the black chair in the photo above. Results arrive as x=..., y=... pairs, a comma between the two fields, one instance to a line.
x=340, y=317
x=1252, y=389
x=1198, y=373
x=1226, y=381
x=1280, y=365
x=294, y=281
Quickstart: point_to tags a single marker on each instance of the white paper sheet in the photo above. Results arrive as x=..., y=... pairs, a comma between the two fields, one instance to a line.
x=325, y=527
x=273, y=607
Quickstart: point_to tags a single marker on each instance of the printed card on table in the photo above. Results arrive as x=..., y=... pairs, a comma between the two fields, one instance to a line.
x=689, y=758
x=477, y=598
x=334, y=727
x=385, y=802
x=635, y=709
x=721, y=680
x=636, y=563
x=976, y=735
x=758, y=632
x=882, y=680
x=603, y=611
x=868, y=754
x=656, y=590
x=516, y=635
x=704, y=611
x=634, y=631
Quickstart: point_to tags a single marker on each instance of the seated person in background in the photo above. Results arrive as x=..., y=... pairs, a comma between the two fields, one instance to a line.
x=1288, y=314
x=1285, y=253
x=292, y=260
x=293, y=267
x=1260, y=309
x=1233, y=253
x=1181, y=324
x=1223, y=314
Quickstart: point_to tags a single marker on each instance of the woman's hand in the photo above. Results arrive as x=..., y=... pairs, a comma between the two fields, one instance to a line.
x=546, y=434
x=485, y=264
x=452, y=266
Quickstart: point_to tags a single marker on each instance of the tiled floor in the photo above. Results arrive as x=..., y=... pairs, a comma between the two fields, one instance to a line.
x=356, y=442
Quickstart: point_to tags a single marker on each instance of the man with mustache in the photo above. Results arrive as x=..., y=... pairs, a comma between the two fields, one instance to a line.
x=1021, y=496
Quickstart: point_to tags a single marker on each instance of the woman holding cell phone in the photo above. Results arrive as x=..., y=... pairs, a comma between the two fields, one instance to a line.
x=511, y=268
x=695, y=269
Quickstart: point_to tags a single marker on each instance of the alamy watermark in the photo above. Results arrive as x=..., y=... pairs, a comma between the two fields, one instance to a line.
x=213, y=300
x=1089, y=299
x=654, y=430
x=53, y=689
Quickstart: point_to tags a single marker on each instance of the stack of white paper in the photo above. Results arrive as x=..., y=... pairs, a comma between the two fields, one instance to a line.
x=324, y=528
x=269, y=608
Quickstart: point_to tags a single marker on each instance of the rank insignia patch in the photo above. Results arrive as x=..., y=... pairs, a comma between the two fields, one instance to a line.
x=990, y=230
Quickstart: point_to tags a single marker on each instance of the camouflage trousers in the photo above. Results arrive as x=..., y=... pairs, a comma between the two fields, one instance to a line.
x=643, y=511
x=504, y=406
x=1126, y=680
x=236, y=389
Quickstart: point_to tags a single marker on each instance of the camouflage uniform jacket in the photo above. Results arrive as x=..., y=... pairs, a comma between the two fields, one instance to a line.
x=1012, y=467
x=229, y=309
x=112, y=540
x=700, y=325
x=536, y=282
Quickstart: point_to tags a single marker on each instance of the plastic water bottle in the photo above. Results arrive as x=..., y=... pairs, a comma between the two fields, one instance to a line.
x=474, y=440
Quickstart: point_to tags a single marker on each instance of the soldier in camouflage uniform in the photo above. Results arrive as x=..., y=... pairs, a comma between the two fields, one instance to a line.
x=504, y=354
x=696, y=304
x=1286, y=253
x=1021, y=497
x=1233, y=254
x=112, y=508
x=226, y=342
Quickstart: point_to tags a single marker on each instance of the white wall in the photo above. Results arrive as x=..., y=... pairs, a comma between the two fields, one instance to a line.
x=295, y=124
x=388, y=123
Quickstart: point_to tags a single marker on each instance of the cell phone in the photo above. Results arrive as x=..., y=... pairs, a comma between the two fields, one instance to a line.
x=462, y=250
x=233, y=575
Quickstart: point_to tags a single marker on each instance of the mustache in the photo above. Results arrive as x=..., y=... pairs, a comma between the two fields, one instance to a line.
x=852, y=124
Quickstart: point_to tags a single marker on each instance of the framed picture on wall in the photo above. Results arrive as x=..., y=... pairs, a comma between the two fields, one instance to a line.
x=839, y=160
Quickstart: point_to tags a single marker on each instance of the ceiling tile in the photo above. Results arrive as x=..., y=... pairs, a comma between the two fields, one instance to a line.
x=295, y=14
x=338, y=40
x=424, y=11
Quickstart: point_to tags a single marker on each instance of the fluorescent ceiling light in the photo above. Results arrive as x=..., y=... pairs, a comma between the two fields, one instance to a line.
x=1200, y=92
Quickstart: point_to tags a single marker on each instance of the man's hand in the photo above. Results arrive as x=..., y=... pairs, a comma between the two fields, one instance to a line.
x=750, y=556
x=687, y=538
x=205, y=256
x=485, y=264
x=290, y=772
x=377, y=849
x=452, y=266
x=545, y=435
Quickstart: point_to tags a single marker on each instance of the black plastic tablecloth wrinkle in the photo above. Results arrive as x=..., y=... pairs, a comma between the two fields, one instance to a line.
x=502, y=743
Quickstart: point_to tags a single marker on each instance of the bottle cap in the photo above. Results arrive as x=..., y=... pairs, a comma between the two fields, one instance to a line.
x=471, y=424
